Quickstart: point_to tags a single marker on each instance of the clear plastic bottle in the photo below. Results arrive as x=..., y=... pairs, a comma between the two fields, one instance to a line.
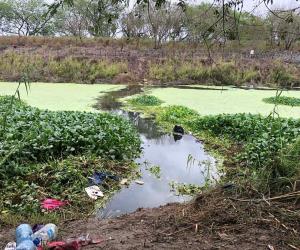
x=45, y=234
x=26, y=245
x=23, y=232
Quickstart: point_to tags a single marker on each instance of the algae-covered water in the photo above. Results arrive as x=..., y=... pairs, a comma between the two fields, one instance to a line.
x=60, y=96
x=227, y=100
x=207, y=100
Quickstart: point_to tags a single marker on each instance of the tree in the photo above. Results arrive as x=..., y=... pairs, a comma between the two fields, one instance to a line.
x=25, y=17
x=102, y=17
x=284, y=27
x=133, y=23
x=71, y=20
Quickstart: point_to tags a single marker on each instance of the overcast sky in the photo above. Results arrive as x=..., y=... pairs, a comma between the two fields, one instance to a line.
x=250, y=5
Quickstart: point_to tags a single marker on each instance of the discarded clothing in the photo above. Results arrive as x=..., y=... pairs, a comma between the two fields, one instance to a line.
x=60, y=245
x=99, y=177
x=37, y=227
x=52, y=204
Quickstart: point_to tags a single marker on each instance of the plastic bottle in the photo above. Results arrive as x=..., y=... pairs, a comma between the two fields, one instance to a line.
x=23, y=232
x=45, y=234
x=26, y=245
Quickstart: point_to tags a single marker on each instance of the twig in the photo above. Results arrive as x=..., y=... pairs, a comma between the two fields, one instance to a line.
x=289, y=195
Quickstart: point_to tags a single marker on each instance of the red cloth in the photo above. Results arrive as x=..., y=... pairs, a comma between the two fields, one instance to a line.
x=51, y=204
x=60, y=245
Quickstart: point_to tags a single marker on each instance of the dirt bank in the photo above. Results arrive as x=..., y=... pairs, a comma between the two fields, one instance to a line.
x=212, y=221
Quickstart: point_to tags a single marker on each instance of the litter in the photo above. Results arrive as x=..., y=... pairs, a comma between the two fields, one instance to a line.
x=52, y=204
x=94, y=192
x=60, y=245
x=139, y=182
x=99, y=177
x=37, y=227
x=45, y=234
x=11, y=246
x=124, y=182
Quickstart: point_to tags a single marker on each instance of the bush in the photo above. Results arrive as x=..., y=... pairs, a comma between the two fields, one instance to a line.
x=176, y=114
x=31, y=135
x=280, y=76
x=146, y=100
x=283, y=100
x=224, y=74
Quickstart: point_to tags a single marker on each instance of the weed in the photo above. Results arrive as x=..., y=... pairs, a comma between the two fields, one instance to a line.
x=155, y=170
x=145, y=100
x=283, y=100
x=184, y=189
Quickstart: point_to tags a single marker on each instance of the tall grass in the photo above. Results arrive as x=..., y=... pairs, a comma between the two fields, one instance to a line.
x=58, y=70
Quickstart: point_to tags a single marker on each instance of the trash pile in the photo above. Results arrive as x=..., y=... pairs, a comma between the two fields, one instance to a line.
x=41, y=237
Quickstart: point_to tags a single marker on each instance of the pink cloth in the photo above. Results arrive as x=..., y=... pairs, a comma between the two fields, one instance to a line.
x=51, y=204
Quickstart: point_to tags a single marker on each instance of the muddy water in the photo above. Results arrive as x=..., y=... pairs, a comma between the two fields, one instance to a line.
x=159, y=149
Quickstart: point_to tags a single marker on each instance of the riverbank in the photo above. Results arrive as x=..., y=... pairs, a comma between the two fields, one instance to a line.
x=215, y=220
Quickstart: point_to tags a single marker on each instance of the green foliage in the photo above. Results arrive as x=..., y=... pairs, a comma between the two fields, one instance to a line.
x=145, y=100
x=176, y=114
x=224, y=74
x=283, y=100
x=280, y=76
x=33, y=135
x=65, y=70
x=185, y=189
x=250, y=75
x=155, y=170
x=260, y=138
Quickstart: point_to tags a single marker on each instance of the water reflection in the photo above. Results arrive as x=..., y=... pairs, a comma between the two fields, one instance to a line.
x=171, y=152
x=172, y=155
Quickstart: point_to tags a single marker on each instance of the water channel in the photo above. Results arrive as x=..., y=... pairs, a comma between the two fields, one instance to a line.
x=171, y=153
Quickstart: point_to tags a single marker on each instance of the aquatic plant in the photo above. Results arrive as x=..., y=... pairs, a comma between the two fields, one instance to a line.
x=145, y=100
x=184, y=188
x=33, y=135
x=155, y=170
x=283, y=100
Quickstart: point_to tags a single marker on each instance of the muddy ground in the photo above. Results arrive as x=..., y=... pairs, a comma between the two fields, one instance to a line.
x=212, y=221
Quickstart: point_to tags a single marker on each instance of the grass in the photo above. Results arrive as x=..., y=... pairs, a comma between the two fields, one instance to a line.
x=38, y=68
x=283, y=100
x=231, y=101
x=60, y=96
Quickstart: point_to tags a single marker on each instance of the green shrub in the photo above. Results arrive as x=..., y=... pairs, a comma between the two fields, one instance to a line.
x=32, y=135
x=280, y=76
x=146, y=100
x=163, y=72
x=176, y=114
x=224, y=74
x=250, y=76
x=283, y=100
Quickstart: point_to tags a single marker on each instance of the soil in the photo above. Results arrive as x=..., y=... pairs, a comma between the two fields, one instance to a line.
x=212, y=221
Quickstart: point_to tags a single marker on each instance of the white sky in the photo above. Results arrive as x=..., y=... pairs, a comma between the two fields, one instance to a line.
x=249, y=5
